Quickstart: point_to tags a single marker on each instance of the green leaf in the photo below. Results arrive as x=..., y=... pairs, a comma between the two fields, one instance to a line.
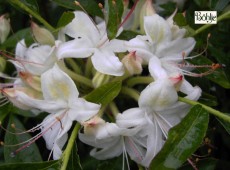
x=180, y=19
x=218, y=76
x=50, y=165
x=28, y=154
x=183, y=140
x=105, y=93
x=205, y=164
x=225, y=124
x=127, y=35
x=16, y=37
x=4, y=111
x=90, y=6
x=65, y=19
x=115, y=11
x=74, y=160
x=221, y=4
x=25, y=113
x=32, y=4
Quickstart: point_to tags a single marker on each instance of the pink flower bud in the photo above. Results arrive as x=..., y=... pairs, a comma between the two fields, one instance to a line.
x=132, y=63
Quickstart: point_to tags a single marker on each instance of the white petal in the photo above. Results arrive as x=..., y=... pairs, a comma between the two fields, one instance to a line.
x=116, y=45
x=78, y=48
x=81, y=110
x=157, y=29
x=158, y=95
x=155, y=68
x=107, y=63
x=57, y=85
x=20, y=49
x=46, y=106
x=82, y=26
x=131, y=118
x=176, y=47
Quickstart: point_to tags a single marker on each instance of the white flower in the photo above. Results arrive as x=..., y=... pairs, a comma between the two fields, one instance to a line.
x=160, y=101
x=62, y=102
x=36, y=59
x=160, y=40
x=133, y=133
x=91, y=40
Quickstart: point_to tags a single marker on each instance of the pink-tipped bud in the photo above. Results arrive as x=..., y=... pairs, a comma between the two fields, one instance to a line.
x=91, y=126
x=132, y=63
x=4, y=28
x=42, y=35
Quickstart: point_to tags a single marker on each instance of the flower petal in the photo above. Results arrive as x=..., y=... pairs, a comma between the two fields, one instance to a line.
x=107, y=63
x=158, y=95
x=155, y=68
x=78, y=48
x=82, y=26
x=157, y=29
x=82, y=110
x=57, y=85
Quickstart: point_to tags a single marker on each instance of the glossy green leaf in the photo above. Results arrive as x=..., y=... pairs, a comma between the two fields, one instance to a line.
x=50, y=165
x=205, y=164
x=115, y=11
x=90, y=6
x=221, y=4
x=105, y=93
x=28, y=154
x=65, y=19
x=16, y=37
x=74, y=160
x=225, y=124
x=218, y=76
x=183, y=140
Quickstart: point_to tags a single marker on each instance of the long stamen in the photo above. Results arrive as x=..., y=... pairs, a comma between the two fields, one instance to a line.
x=135, y=149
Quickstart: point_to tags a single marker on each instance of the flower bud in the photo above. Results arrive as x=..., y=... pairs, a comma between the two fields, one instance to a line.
x=146, y=10
x=42, y=35
x=100, y=79
x=132, y=63
x=91, y=126
x=4, y=28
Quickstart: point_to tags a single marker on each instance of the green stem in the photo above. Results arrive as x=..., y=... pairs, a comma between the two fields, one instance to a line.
x=73, y=65
x=88, y=68
x=33, y=13
x=67, y=152
x=130, y=92
x=78, y=78
x=114, y=109
x=139, y=80
x=226, y=15
x=209, y=109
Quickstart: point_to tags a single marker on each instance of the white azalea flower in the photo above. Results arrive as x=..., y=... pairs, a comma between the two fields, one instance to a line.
x=160, y=40
x=160, y=101
x=133, y=133
x=61, y=100
x=36, y=59
x=91, y=40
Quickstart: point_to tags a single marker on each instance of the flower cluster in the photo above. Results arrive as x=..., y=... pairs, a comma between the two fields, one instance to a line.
x=44, y=84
